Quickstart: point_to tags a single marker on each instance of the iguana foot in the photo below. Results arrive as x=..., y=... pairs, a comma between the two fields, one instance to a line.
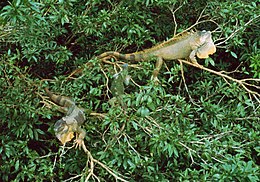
x=79, y=143
x=194, y=61
x=199, y=65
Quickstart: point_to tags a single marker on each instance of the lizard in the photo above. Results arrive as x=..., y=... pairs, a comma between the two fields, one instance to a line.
x=117, y=87
x=71, y=123
x=186, y=45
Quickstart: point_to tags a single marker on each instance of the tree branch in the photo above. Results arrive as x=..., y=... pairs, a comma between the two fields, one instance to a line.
x=241, y=82
x=237, y=30
x=93, y=161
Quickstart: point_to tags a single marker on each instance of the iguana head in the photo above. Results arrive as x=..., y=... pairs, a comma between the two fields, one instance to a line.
x=62, y=131
x=207, y=46
x=204, y=36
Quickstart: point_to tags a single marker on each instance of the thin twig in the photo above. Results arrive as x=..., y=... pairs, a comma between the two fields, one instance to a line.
x=74, y=177
x=185, y=85
x=237, y=30
x=174, y=17
x=107, y=81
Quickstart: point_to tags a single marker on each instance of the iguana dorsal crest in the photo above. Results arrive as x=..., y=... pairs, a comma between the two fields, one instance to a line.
x=173, y=40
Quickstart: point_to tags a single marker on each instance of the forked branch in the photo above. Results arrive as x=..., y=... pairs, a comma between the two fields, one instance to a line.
x=92, y=161
x=237, y=30
x=241, y=82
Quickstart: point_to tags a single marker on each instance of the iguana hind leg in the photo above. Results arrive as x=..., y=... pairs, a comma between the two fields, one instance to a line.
x=157, y=69
x=192, y=57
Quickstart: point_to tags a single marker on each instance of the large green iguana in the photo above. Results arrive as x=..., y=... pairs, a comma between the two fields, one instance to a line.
x=187, y=45
x=71, y=123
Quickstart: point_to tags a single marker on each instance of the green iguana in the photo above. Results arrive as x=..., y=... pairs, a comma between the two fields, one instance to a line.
x=71, y=123
x=117, y=86
x=187, y=45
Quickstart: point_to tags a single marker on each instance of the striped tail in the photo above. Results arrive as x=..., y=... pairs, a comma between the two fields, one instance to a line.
x=129, y=57
x=60, y=100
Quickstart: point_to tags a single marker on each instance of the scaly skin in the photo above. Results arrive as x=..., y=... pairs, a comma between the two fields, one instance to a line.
x=117, y=86
x=186, y=46
x=71, y=123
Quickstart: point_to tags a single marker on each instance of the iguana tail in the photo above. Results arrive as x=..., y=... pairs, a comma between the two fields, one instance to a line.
x=60, y=100
x=130, y=57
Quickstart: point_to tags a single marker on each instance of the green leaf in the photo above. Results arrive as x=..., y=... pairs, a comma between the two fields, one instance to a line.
x=170, y=150
x=132, y=165
x=143, y=111
x=17, y=164
x=249, y=103
x=30, y=133
x=248, y=167
x=211, y=61
x=233, y=54
x=134, y=125
x=138, y=99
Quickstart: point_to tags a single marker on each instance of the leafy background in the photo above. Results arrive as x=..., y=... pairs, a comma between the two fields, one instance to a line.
x=210, y=133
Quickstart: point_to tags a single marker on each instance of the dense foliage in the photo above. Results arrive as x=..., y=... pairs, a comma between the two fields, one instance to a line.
x=203, y=128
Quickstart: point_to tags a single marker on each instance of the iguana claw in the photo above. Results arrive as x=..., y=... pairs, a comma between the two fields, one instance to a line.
x=79, y=143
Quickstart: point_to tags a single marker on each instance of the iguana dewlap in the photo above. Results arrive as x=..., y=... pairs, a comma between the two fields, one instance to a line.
x=185, y=46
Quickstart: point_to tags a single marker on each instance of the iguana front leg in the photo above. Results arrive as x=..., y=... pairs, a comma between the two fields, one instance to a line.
x=81, y=134
x=193, y=58
x=157, y=69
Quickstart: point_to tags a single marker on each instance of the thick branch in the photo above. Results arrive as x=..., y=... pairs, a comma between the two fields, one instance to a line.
x=240, y=82
x=93, y=160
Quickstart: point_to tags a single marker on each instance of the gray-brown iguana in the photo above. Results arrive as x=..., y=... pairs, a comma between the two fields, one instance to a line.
x=71, y=123
x=187, y=45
